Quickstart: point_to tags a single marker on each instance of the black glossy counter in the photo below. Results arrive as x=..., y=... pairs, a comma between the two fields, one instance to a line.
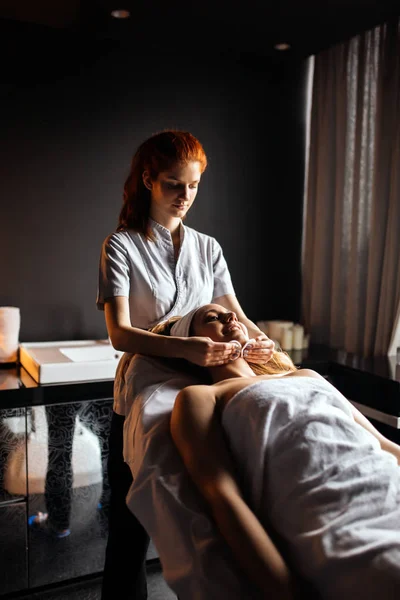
x=370, y=381
x=18, y=389
x=373, y=382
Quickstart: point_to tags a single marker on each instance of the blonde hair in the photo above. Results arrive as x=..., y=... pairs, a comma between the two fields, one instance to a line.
x=280, y=362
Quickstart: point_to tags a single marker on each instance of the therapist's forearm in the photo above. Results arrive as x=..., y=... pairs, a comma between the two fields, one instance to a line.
x=139, y=341
x=134, y=340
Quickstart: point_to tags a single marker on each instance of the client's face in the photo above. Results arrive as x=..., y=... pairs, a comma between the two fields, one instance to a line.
x=219, y=324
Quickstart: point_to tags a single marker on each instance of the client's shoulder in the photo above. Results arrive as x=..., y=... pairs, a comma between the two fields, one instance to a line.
x=306, y=373
x=197, y=391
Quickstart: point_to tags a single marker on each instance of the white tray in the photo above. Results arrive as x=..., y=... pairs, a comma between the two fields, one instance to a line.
x=59, y=362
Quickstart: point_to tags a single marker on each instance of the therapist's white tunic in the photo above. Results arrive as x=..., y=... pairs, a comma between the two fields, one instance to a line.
x=157, y=285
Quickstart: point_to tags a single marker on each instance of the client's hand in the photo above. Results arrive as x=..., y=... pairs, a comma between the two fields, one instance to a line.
x=260, y=350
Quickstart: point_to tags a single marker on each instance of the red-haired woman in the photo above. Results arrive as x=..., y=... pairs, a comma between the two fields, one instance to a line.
x=152, y=268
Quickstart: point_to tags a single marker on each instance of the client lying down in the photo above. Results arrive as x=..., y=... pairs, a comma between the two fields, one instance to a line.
x=289, y=468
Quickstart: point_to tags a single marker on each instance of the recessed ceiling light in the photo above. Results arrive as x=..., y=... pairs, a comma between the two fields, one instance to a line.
x=120, y=14
x=282, y=46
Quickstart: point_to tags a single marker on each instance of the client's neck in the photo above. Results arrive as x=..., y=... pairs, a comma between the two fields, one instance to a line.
x=236, y=368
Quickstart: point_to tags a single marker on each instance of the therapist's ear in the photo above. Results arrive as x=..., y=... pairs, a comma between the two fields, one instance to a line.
x=147, y=180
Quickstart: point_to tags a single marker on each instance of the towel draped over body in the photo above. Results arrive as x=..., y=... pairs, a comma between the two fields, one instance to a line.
x=321, y=480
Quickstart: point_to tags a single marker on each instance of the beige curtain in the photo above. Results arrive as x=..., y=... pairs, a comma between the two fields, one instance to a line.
x=351, y=245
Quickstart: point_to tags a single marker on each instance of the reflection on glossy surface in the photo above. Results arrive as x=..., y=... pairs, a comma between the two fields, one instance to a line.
x=12, y=442
x=296, y=356
x=9, y=379
x=13, y=570
x=67, y=479
x=381, y=366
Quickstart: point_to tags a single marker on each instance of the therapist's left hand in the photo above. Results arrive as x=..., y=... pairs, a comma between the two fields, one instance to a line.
x=260, y=350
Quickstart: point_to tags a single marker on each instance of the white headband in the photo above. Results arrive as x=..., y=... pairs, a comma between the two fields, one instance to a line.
x=181, y=328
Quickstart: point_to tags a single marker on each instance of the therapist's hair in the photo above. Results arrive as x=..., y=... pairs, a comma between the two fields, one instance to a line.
x=156, y=154
x=280, y=362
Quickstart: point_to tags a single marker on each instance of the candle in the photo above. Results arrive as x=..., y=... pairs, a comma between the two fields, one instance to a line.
x=286, y=338
x=10, y=321
x=284, y=325
x=275, y=329
x=298, y=332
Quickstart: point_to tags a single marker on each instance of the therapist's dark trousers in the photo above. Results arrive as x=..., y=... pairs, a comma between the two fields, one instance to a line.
x=127, y=545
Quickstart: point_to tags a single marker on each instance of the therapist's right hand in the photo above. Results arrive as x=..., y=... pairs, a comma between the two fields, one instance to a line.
x=203, y=351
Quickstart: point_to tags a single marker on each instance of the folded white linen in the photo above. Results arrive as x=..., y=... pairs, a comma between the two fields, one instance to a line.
x=323, y=482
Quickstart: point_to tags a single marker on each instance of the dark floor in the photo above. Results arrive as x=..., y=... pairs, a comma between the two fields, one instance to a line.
x=82, y=553
x=52, y=562
x=90, y=590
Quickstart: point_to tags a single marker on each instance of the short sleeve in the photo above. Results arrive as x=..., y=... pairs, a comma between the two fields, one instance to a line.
x=114, y=272
x=222, y=278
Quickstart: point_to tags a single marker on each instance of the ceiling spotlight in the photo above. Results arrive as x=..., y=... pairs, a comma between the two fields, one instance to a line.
x=120, y=14
x=282, y=46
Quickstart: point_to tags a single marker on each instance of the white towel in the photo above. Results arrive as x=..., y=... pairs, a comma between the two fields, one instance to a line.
x=181, y=328
x=305, y=465
x=323, y=482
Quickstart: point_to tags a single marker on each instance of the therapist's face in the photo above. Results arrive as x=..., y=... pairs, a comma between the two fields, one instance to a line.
x=219, y=324
x=173, y=192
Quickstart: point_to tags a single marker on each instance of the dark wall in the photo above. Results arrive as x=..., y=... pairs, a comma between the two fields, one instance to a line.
x=70, y=128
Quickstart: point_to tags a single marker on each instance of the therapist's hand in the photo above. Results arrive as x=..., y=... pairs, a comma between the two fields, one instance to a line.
x=260, y=351
x=203, y=351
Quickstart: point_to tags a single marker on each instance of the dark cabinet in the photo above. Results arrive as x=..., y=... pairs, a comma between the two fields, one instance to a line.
x=67, y=449
x=13, y=547
x=53, y=460
x=13, y=508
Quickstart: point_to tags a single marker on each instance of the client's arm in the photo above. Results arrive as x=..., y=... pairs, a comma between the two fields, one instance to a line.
x=199, y=437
